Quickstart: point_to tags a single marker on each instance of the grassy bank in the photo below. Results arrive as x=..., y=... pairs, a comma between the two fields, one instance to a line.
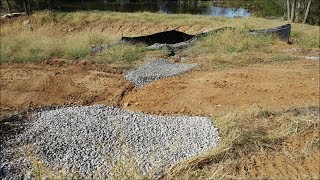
x=46, y=35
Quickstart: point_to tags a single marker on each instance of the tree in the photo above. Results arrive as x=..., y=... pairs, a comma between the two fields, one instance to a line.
x=307, y=12
x=288, y=9
x=293, y=6
x=298, y=9
x=9, y=6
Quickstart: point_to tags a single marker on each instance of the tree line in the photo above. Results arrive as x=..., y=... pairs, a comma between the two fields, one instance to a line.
x=298, y=10
x=301, y=11
x=26, y=6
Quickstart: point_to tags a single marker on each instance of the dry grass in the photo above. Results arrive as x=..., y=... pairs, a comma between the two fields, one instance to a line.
x=31, y=46
x=122, y=55
x=245, y=133
x=71, y=35
x=232, y=48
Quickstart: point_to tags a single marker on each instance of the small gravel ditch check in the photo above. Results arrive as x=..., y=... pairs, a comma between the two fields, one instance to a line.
x=157, y=69
x=85, y=139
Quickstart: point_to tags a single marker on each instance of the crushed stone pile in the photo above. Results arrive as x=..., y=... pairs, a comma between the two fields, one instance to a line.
x=89, y=139
x=155, y=70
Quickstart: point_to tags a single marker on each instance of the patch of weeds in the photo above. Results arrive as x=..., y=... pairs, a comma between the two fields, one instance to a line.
x=49, y=17
x=96, y=40
x=76, y=52
x=123, y=54
x=282, y=57
x=231, y=48
x=221, y=63
x=305, y=40
x=239, y=48
x=249, y=59
x=39, y=172
x=263, y=113
x=30, y=58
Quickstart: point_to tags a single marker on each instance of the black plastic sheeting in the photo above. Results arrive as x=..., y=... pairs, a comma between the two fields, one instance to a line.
x=174, y=36
x=282, y=32
x=166, y=37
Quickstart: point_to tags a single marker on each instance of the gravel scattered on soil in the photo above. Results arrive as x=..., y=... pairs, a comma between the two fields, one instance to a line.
x=155, y=70
x=88, y=138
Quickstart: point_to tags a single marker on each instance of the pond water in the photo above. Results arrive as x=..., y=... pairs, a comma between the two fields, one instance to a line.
x=211, y=8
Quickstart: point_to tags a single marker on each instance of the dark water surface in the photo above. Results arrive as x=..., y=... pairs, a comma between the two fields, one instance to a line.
x=212, y=8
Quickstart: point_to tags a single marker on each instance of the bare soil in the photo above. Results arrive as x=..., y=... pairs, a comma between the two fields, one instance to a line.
x=58, y=83
x=269, y=86
x=278, y=165
x=200, y=92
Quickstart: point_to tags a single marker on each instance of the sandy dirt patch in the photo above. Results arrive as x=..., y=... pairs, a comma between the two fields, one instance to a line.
x=274, y=86
x=59, y=83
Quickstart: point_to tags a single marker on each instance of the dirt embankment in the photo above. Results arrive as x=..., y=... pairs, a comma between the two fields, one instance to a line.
x=274, y=86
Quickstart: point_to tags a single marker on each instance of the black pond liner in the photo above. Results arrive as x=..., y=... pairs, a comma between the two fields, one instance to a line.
x=175, y=40
x=166, y=37
x=174, y=36
x=282, y=32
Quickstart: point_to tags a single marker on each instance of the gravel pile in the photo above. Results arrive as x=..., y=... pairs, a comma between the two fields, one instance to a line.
x=155, y=70
x=86, y=139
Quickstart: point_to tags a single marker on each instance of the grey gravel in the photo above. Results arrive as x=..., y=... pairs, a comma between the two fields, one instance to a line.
x=311, y=57
x=86, y=139
x=155, y=70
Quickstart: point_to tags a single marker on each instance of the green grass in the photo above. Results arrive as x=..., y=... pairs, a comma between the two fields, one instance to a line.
x=282, y=57
x=231, y=48
x=125, y=54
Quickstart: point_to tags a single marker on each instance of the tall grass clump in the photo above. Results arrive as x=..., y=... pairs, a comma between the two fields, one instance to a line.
x=230, y=42
x=305, y=40
x=230, y=48
x=125, y=54
x=29, y=46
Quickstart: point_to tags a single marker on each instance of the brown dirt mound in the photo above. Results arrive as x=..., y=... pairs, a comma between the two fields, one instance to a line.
x=59, y=83
x=274, y=86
